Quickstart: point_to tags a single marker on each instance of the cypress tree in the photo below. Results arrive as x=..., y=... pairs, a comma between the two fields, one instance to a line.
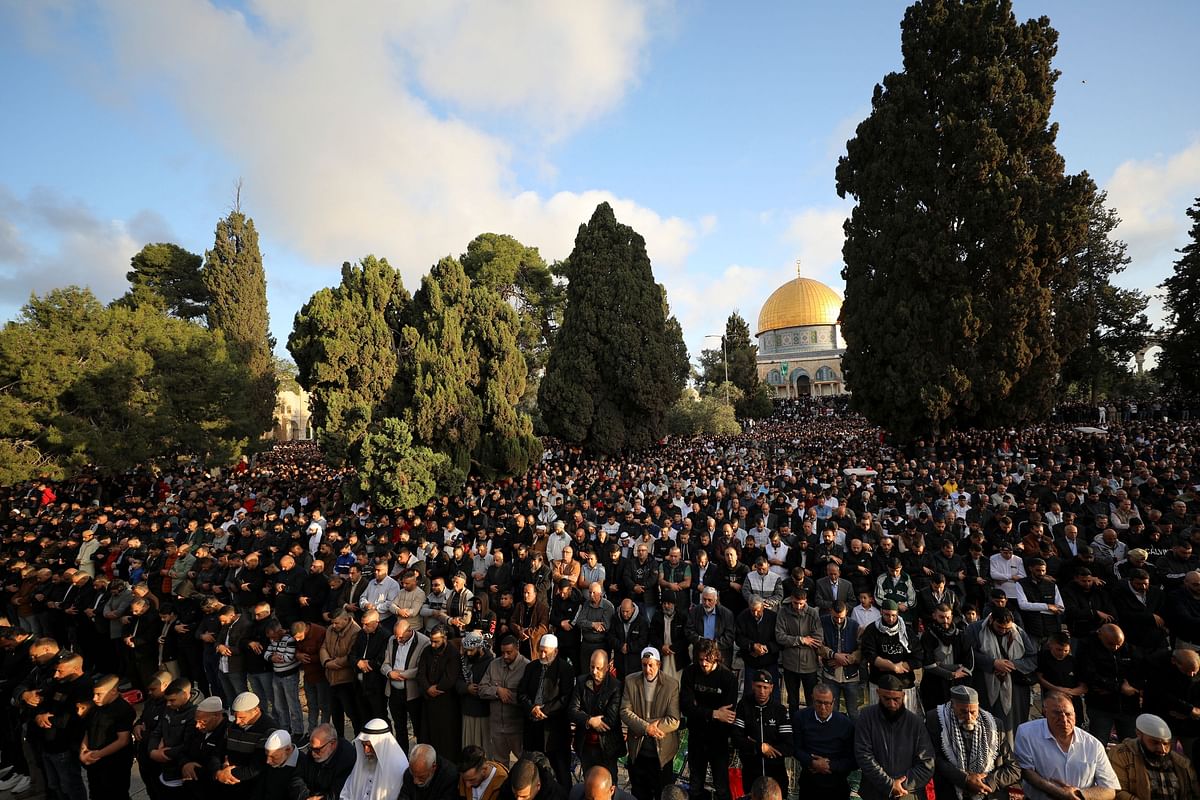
x=618, y=362
x=345, y=343
x=237, y=287
x=956, y=253
x=461, y=377
x=1181, y=339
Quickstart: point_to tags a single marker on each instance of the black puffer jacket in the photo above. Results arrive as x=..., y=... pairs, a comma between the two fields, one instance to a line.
x=173, y=730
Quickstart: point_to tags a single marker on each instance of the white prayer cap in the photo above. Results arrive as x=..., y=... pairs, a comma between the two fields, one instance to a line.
x=549, y=640
x=1154, y=727
x=246, y=701
x=278, y=740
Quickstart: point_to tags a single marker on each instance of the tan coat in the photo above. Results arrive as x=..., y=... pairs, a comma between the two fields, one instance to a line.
x=1127, y=761
x=665, y=710
x=493, y=789
x=335, y=653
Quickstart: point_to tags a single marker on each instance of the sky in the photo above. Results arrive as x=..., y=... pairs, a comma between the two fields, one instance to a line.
x=404, y=130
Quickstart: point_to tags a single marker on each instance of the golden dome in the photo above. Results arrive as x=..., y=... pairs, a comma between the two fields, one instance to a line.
x=799, y=302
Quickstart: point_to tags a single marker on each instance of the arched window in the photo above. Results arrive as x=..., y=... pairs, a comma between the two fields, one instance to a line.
x=826, y=374
x=774, y=378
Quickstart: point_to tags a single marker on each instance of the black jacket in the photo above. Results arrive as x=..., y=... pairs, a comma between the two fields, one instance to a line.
x=679, y=641
x=749, y=631
x=442, y=785
x=756, y=725
x=587, y=701
x=328, y=777
x=700, y=693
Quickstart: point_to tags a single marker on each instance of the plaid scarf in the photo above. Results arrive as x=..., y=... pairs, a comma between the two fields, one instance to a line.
x=971, y=751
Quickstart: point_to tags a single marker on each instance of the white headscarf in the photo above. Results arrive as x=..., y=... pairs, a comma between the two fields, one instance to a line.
x=385, y=775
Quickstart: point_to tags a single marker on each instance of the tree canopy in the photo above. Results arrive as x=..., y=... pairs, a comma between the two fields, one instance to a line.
x=237, y=306
x=755, y=399
x=168, y=274
x=345, y=341
x=618, y=362
x=956, y=252
x=113, y=387
x=1181, y=339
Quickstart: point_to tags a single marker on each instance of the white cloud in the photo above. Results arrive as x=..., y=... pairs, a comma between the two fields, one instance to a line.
x=74, y=246
x=818, y=236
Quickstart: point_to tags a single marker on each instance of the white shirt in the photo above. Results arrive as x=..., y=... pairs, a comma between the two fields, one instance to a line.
x=1083, y=764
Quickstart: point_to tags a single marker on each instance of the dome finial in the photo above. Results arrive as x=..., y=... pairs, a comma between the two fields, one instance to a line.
x=797, y=268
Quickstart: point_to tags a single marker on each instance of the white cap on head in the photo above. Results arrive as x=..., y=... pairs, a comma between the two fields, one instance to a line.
x=1153, y=726
x=211, y=705
x=549, y=640
x=278, y=740
x=651, y=652
x=246, y=701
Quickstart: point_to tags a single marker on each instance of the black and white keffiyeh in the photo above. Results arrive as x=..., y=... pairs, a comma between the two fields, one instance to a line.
x=971, y=751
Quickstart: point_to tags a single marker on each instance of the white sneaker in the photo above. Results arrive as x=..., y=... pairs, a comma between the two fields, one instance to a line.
x=22, y=785
x=4, y=772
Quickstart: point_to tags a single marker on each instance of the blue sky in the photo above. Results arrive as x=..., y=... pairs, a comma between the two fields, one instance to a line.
x=403, y=131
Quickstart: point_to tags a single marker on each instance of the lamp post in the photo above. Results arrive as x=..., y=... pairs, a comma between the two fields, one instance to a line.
x=725, y=358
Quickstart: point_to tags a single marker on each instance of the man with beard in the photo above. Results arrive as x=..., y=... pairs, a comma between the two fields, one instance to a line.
x=337, y=658
x=530, y=621
x=1005, y=661
x=499, y=687
x=429, y=776
x=668, y=634
x=973, y=757
x=476, y=658
x=479, y=778
x=892, y=746
x=544, y=692
x=245, y=747
x=369, y=645
x=201, y=755
x=52, y=695
x=438, y=671
x=890, y=649
x=327, y=765
x=710, y=619
x=107, y=748
x=564, y=608
x=593, y=621
x=1040, y=603
x=1147, y=767
x=596, y=711
x=314, y=592
x=380, y=767
x=165, y=744
x=948, y=658
x=400, y=659
x=756, y=642
x=628, y=636
x=762, y=732
x=708, y=692
x=650, y=712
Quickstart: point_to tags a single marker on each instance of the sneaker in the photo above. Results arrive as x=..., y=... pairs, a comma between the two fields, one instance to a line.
x=4, y=772
x=11, y=784
x=22, y=786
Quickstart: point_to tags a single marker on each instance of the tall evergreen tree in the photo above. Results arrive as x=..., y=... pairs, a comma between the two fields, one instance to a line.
x=461, y=376
x=237, y=287
x=167, y=274
x=619, y=361
x=1181, y=339
x=1105, y=324
x=956, y=250
x=345, y=342
x=742, y=369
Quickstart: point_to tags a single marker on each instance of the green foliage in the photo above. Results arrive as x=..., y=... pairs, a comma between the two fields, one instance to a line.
x=345, y=343
x=1106, y=325
x=709, y=416
x=619, y=360
x=755, y=400
x=114, y=387
x=237, y=287
x=462, y=375
x=396, y=474
x=1181, y=339
x=957, y=251
x=165, y=274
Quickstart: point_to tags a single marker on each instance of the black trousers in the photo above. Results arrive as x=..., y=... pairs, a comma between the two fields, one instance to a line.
x=593, y=756
x=752, y=770
x=793, y=681
x=646, y=777
x=704, y=753
x=108, y=778
x=402, y=711
x=374, y=700
x=827, y=787
x=347, y=702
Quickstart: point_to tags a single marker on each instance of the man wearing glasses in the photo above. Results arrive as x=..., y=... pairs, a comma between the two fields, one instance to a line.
x=327, y=764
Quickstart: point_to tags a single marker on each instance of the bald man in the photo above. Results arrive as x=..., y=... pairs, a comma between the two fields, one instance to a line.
x=1114, y=690
x=598, y=784
x=1169, y=680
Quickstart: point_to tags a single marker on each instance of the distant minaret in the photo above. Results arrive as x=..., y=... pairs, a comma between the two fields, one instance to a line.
x=798, y=268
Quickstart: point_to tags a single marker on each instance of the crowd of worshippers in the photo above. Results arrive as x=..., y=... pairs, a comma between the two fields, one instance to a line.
x=809, y=599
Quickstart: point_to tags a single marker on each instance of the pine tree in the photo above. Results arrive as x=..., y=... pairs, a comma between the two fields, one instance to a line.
x=237, y=287
x=618, y=362
x=168, y=275
x=345, y=342
x=1105, y=324
x=956, y=251
x=742, y=369
x=1181, y=339
x=394, y=472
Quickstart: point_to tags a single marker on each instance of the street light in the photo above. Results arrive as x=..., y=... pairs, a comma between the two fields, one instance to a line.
x=725, y=358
